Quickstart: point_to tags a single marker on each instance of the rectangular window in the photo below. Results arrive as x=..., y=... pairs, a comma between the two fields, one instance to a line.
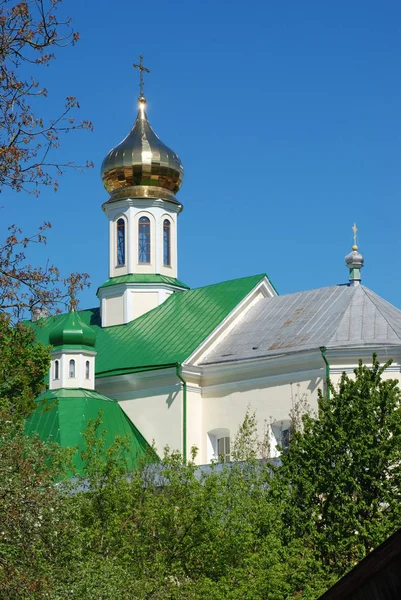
x=223, y=449
x=285, y=439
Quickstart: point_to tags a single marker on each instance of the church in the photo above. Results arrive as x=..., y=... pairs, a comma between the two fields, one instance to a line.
x=179, y=367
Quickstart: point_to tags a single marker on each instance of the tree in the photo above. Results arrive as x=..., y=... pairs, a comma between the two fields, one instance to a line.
x=172, y=532
x=30, y=32
x=34, y=525
x=340, y=480
x=24, y=287
x=23, y=366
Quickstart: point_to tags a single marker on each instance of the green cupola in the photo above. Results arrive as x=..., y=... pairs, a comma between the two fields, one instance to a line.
x=71, y=332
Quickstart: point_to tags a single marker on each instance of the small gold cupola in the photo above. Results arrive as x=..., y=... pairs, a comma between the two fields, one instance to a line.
x=141, y=166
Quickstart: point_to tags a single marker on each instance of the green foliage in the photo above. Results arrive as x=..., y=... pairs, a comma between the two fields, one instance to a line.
x=242, y=531
x=32, y=518
x=23, y=366
x=169, y=531
x=245, y=445
x=340, y=479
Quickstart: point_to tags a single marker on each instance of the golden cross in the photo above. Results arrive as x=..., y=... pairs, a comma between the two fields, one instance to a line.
x=355, y=229
x=142, y=69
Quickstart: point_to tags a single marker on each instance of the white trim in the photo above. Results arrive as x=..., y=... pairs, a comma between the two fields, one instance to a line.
x=145, y=380
x=140, y=203
x=119, y=288
x=262, y=290
x=263, y=381
x=56, y=354
x=350, y=369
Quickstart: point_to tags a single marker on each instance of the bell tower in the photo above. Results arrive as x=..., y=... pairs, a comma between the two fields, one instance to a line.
x=142, y=176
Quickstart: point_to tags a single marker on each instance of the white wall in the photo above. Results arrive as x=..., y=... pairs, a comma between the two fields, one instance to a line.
x=142, y=302
x=131, y=210
x=224, y=408
x=124, y=302
x=156, y=410
x=112, y=310
x=127, y=301
x=80, y=380
x=218, y=397
x=194, y=420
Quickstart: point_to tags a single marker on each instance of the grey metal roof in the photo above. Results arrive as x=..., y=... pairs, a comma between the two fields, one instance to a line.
x=335, y=317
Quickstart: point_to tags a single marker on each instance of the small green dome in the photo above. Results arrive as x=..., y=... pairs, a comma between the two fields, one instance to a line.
x=72, y=331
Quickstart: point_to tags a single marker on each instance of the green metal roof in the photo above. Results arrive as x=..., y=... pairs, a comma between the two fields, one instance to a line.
x=168, y=334
x=144, y=278
x=62, y=416
x=70, y=330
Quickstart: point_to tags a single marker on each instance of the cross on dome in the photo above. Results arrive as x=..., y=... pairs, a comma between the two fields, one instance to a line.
x=141, y=166
x=355, y=229
x=142, y=70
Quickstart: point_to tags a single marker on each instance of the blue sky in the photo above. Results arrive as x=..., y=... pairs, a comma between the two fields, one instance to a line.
x=285, y=114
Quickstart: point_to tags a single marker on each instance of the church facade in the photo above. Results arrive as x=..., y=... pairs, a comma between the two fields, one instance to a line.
x=180, y=367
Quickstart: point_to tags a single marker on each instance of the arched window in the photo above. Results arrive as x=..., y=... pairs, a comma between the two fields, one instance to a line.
x=56, y=369
x=120, y=242
x=166, y=243
x=218, y=445
x=87, y=369
x=71, y=371
x=144, y=240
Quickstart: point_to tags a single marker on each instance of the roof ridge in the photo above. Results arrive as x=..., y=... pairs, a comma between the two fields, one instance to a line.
x=259, y=275
x=300, y=293
x=144, y=317
x=372, y=296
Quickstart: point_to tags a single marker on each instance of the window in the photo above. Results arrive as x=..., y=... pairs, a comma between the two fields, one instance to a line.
x=71, y=370
x=120, y=242
x=56, y=369
x=144, y=240
x=166, y=243
x=218, y=445
x=285, y=439
x=223, y=449
x=280, y=441
x=87, y=369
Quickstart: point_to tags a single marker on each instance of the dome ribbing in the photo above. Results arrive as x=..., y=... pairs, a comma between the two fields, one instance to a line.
x=72, y=331
x=141, y=166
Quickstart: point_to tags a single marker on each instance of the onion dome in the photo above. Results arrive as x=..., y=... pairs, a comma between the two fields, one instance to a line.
x=70, y=330
x=141, y=166
x=354, y=261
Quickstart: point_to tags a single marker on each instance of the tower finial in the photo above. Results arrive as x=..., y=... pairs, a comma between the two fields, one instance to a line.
x=355, y=229
x=141, y=69
x=354, y=261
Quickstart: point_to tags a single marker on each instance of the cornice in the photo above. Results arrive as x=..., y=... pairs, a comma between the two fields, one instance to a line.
x=141, y=203
x=120, y=288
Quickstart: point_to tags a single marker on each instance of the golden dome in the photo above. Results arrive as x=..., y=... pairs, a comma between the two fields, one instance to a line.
x=141, y=166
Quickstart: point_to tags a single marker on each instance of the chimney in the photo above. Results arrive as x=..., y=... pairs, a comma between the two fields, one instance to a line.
x=39, y=312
